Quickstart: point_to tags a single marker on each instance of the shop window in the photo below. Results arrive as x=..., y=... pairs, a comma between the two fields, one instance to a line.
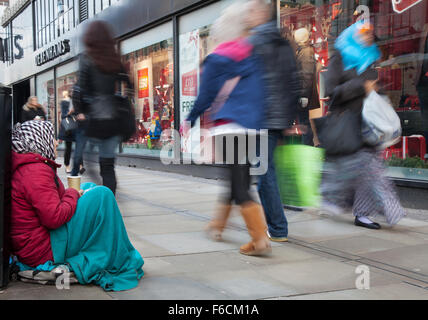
x=149, y=60
x=401, y=34
x=45, y=92
x=195, y=45
x=66, y=77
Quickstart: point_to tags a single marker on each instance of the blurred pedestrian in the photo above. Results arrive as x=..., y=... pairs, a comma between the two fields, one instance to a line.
x=67, y=136
x=33, y=110
x=79, y=134
x=282, y=85
x=307, y=66
x=100, y=75
x=233, y=73
x=355, y=178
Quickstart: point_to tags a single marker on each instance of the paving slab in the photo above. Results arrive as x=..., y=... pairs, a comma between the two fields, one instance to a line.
x=189, y=264
x=244, y=284
x=27, y=291
x=400, y=291
x=319, y=275
x=196, y=242
x=360, y=244
x=171, y=288
x=162, y=224
x=322, y=230
x=412, y=258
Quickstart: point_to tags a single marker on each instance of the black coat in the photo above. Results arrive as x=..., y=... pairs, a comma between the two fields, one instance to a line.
x=281, y=77
x=95, y=84
x=346, y=88
x=30, y=113
x=307, y=66
x=70, y=135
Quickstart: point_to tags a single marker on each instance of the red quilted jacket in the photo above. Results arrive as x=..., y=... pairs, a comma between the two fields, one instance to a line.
x=38, y=205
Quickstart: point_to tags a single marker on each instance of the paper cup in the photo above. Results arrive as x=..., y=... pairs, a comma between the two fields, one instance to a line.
x=74, y=182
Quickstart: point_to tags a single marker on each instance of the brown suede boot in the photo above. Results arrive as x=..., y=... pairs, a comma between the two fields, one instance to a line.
x=256, y=225
x=216, y=226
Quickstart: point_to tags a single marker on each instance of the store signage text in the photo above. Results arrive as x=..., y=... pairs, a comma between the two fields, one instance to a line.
x=53, y=52
x=5, y=48
x=400, y=6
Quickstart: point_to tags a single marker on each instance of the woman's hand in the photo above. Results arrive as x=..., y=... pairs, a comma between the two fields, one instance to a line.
x=81, y=192
x=296, y=130
x=370, y=85
x=81, y=117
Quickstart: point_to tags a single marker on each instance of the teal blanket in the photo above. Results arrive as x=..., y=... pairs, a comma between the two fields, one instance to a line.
x=95, y=243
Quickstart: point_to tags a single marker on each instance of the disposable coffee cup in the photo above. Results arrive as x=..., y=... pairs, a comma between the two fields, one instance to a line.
x=74, y=182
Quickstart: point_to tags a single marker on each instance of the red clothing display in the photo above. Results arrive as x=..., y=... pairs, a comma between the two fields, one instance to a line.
x=38, y=206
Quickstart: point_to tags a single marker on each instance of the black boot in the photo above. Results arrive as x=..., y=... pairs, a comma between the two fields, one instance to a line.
x=108, y=174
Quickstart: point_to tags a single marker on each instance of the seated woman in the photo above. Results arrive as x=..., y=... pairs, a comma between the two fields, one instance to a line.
x=83, y=230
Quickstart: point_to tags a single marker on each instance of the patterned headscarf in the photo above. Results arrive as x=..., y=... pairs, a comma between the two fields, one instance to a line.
x=34, y=137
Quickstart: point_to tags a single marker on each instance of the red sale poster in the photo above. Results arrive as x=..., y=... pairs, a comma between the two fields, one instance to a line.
x=143, y=83
x=190, y=83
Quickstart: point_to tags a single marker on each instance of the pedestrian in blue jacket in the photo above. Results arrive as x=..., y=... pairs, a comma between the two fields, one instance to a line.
x=234, y=72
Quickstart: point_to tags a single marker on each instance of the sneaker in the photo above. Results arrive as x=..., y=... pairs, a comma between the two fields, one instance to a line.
x=47, y=277
x=276, y=239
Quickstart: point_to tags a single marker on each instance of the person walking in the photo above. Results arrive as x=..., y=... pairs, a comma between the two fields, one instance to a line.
x=282, y=85
x=307, y=67
x=355, y=178
x=100, y=73
x=32, y=110
x=232, y=72
x=67, y=136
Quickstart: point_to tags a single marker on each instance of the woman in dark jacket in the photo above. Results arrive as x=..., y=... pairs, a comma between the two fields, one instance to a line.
x=356, y=179
x=100, y=74
x=32, y=110
x=67, y=137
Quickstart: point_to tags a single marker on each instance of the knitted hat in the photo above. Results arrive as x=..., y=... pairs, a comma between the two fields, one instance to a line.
x=301, y=35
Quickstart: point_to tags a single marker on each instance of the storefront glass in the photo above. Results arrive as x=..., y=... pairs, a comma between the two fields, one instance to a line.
x=66, y=77
x=195, y=45
x=401, y=29
x=46, y=93
x=148, y=58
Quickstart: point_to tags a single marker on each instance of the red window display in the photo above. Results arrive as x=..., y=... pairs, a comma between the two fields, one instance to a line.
x=401, y=32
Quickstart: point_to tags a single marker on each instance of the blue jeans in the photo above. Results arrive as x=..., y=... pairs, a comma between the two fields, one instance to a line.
x=269, y=193
x=107, y=148
x=81, y=141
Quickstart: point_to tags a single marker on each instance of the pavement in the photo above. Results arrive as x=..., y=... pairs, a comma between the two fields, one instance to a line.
x=165, y=215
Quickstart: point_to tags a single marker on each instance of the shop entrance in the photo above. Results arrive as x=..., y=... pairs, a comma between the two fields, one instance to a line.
x=21, y=93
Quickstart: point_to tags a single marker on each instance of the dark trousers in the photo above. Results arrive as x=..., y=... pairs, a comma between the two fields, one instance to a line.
x=239, y=174
x=81, y=141
x=67, y=153
x=269, y=192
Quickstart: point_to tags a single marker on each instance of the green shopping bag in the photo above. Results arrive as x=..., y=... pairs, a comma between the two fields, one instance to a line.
x=298, y=168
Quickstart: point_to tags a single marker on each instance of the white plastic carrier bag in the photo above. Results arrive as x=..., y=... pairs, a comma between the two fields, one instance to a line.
x=381, y=126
